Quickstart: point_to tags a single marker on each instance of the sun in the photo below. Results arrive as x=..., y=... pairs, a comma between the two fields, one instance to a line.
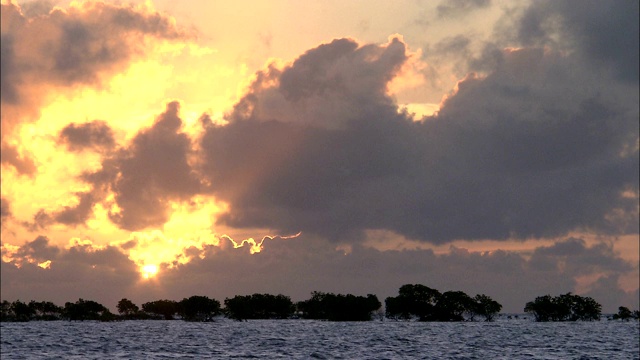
x=149, y=271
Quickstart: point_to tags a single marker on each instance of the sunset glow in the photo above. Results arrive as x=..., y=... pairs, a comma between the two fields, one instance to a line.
x=295, y=146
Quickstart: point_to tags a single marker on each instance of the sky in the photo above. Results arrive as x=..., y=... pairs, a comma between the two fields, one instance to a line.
x=163, y=149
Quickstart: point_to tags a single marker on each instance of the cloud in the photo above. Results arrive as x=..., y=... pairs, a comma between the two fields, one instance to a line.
x=5, y=208
x=455, y=8
x=297, y=266
x=41, y=221
x=78, y=214
x=51, y=52
x=606, y=33
x=574, y=257
x=538, y=147
x=86, y=271
x=21, y=162
x=144, y=176
x=92, y=135
x=136, y=182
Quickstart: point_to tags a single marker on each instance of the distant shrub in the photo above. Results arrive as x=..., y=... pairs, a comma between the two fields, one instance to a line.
x=166, y=309
x=328, y=306
x=259, y=306
x=625, y=314
x=198, y=308
x=86, y=310
x=567, y=307
x=427, y=304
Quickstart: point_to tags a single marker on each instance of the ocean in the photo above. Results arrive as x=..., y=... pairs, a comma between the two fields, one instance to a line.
x=310, y=339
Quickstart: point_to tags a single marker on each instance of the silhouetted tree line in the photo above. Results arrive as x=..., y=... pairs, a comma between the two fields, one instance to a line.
x=426, y=304
x=46, y=311
x=413, y=302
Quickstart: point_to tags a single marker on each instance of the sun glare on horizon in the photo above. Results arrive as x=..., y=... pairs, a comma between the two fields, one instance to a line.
x=149, y=271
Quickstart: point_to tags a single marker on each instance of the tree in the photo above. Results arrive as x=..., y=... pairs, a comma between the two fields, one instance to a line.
x=413, y=300
x=86, y=310
x=623, y=313
x=199, y=308
x=22, y=311
x=426, y=304
x=165, y=308
x=46, y=310
x=127, y=308
x=452, y=305
x=7, y=312
x=584, y=308
x=486, y=307
x=566, y=307
x=542, y=308
x=339, y=307
x=259, y=306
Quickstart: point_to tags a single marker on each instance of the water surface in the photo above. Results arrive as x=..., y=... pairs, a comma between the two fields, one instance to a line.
x=306, y=339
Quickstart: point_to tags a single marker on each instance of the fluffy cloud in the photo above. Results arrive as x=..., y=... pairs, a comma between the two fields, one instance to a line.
x=93, y=135
x=38, y=270
x=5, y=208
x=145, y=175
x=43, y=52
x=452, y=8
x=538, y=147
x=606, y=33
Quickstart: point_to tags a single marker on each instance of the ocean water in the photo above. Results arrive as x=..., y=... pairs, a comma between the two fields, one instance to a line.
x=307, y=339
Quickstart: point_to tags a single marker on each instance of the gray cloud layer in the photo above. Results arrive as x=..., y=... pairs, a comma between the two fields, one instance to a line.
x=298, y=266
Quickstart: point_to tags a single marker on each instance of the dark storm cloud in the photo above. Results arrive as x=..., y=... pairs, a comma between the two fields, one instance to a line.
x=93, y=135
x=453, y=8
x=145, y=175
x=539, y=147
x=606, y=32
x=46, y=51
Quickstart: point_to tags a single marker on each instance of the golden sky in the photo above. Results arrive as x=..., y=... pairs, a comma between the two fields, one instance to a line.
x=290, y=146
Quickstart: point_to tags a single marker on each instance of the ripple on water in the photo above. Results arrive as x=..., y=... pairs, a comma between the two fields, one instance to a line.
x=303, y=339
